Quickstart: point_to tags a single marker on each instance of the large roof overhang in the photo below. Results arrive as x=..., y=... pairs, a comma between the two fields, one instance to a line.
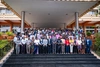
x=49, y=13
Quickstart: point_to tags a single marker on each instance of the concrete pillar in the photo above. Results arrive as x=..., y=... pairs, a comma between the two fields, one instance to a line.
x=95, y=30
x=76, y=24
x=11, y=27
x=64, y=25
x=22, y=20
x=77, y=20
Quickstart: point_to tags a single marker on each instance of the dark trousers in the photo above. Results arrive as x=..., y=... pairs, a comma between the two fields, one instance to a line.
x=58, y=50
x=40, y=49
x=88, y=49
x=24, y=48
x=36, y=49
x=54, y=48
x=49, y=49
x=45, y=49
x=14, y=48
x=21, y=49
x=67, y=49
x=75, y=49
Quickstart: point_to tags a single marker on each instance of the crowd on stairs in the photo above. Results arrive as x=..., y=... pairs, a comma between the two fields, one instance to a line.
x=47, y=41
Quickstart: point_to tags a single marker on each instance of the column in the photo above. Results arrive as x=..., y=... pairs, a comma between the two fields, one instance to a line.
x=64, y=25
x=84, y=29
x=76, y=24
x=76, y=20
x=11, y=27
x=22, y=20
x=95, y=30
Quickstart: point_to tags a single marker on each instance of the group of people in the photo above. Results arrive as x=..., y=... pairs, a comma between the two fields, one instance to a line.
x=47, y=41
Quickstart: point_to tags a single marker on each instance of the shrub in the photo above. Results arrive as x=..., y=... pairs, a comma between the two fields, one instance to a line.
x=9, y=33
x=97, y=41
x=88, y=33
x=1, y=33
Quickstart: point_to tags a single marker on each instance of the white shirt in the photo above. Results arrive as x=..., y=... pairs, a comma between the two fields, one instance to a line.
x=18, y=42
x=37, y=42
x=63, y=41
x=23, y=41
x=45, y=42
x=26, y=39
x=28, y=42
x=15, y=39
x=31, y=36
x=78, y=42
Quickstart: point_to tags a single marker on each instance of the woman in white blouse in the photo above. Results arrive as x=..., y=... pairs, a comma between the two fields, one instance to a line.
x=18, y=43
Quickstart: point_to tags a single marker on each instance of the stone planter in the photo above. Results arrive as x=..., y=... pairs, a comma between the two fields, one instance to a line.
x=10, y=38
x=1, y=37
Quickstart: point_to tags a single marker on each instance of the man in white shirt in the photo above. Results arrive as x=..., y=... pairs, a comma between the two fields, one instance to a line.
x=45, y=42
x=14, y=40
x=28, y=44
x=36, y=45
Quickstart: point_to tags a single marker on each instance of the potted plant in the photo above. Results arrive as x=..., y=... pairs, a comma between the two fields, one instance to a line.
x=1, y=35
x=10, y=35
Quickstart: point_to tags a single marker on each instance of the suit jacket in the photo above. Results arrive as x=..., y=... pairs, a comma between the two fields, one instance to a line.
x=88, y=43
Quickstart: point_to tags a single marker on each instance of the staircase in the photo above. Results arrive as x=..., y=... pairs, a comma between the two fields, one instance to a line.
x=52, y=60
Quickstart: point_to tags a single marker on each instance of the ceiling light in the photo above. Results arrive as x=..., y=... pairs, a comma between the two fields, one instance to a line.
x=48, y=13
x=66, y=14
x=30, y=13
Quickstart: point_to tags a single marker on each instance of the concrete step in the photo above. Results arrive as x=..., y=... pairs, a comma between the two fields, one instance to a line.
x=52, y=59
x=54, y=65
x=54, y=62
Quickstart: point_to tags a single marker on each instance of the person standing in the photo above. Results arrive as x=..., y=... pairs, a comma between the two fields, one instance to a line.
x=18, y=43
x=79, y=42
x=63, y=45
x=67, y=45
x=75, y=49
x=41, y=46
x=83, y=45
x=32, y=46
x=59, y=42
x=49, y=45
x=71, y=41
x=14, y=40
x=36, y=45
x=45, y=42
x=54, y=42
x=23, y=41
x=88, y=44
x=28, y=44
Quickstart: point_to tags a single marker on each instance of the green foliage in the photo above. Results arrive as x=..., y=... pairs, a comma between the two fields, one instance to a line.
x=5, y=46
x=9, y=33
x=97, y=41
x=88, y=33
x=1, y=33
x=3, y=43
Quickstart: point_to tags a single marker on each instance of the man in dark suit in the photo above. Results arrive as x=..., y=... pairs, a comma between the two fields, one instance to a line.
x=88, y=44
